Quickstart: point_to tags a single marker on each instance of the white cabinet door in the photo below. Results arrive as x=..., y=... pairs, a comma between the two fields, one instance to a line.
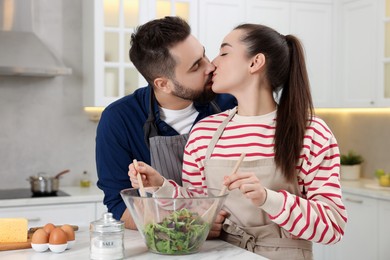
x=275, y=14
x=359, y=56
x=312, y=24
x=384, y=229
x=216, y=19
x=360, y=240
x=80, y=214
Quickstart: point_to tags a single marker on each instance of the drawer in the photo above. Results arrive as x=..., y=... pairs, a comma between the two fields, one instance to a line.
x=80, y=214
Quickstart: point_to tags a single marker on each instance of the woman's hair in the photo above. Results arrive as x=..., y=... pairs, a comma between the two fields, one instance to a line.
x=150, y=44
x=286, y=72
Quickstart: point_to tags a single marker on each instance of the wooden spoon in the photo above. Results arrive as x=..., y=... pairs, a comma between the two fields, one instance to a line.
x=209, y=214
x=139, y=178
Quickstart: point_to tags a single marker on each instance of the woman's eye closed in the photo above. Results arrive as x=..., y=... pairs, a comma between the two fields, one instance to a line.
x=223, y=54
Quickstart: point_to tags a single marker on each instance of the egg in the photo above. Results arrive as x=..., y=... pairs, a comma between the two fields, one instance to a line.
x=40, y=240
x=69, y=231
x=48, y=227
x=70, y=234
x=40, y=236
x=58, y=237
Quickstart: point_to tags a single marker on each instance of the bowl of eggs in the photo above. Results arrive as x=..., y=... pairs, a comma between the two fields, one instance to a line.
x=55, y=238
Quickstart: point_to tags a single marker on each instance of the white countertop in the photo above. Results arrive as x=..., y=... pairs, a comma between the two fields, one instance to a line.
x=77, y=195
x=366, y=187
x=135, y=248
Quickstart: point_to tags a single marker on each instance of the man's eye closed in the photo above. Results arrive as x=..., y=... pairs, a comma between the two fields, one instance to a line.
x=223, y=54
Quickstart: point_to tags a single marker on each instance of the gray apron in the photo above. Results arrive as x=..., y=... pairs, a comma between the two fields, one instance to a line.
x=166, y=152
x=248, y=226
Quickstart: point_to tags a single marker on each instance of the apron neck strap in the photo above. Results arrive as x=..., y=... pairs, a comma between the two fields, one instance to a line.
x=150, y=127
x=219, y=132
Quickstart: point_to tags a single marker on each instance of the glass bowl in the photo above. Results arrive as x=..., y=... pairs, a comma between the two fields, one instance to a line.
x=174, y=226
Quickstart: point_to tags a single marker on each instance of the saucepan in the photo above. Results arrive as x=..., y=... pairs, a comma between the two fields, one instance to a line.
x=41, y=184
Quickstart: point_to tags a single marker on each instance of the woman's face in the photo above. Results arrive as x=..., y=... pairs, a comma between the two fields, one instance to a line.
x=232, y=65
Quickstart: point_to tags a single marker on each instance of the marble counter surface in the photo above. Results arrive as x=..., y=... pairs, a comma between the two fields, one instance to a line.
x=77, y=194
x=366, y=187
x=135, y=248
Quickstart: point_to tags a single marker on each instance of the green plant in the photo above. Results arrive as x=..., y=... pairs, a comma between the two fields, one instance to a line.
x=351, y=158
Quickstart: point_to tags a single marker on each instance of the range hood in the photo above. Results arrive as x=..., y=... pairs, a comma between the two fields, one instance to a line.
x=22, y=53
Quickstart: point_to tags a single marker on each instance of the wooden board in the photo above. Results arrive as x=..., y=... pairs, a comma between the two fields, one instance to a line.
x=15, y=245
x=25, y=245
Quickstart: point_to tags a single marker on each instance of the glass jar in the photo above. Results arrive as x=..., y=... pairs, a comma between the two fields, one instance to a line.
x=85, y=181
x=106, y=238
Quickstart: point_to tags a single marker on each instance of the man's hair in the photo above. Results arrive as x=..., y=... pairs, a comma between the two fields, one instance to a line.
x=150, y=44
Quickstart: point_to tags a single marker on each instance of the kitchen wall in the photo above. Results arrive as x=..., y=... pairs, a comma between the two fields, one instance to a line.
x=42, y=123
x=43, y=126
x=366, y=133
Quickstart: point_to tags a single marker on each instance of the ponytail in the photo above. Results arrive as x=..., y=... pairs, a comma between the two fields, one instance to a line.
x=294, y=111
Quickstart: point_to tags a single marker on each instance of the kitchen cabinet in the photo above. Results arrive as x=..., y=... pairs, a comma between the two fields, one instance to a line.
x=383, y=229
x=108, y=73
x=365, y=53
x=79, y=207
x=367, y=232
x=212, y=27
x=384, y=52
x=80, y=214
x=359, y=79
x=360, y=240
x=312, y=23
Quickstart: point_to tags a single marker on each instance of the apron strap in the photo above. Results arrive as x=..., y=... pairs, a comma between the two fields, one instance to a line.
x=150, y=128
x=219, y=132
x=248, y=241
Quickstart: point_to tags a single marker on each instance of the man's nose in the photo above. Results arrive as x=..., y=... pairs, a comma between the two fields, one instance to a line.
x=210, y=67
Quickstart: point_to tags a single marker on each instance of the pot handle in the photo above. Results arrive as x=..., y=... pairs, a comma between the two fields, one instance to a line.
x=61, y=173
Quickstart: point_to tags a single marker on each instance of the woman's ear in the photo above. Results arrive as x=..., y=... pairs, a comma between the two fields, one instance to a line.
x=257, y=62
x=162, y=84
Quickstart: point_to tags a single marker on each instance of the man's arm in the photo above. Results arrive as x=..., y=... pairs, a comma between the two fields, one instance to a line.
x=128, y=219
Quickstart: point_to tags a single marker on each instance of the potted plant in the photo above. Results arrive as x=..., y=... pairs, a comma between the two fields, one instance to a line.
x=350, y=165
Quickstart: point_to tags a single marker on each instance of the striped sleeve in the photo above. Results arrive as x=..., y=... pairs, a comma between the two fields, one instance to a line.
x=319, y=214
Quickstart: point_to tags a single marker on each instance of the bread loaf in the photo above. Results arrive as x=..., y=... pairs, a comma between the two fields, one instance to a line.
x=13, y=230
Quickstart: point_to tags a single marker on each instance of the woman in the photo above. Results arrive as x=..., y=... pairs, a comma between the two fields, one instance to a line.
x=287, y=192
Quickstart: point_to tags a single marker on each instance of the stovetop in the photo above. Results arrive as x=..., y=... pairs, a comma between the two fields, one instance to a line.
x=27, y=193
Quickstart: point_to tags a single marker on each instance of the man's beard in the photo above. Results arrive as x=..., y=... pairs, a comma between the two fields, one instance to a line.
x=203, y=96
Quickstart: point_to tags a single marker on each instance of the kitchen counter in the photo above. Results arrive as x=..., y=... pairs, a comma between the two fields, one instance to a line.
x=366, y=187
x=77, y=194
x=135, y=248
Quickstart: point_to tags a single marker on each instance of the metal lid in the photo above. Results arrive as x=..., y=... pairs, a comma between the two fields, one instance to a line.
x=107, y=224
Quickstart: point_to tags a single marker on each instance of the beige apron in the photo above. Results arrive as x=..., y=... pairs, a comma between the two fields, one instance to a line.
x=248, y=226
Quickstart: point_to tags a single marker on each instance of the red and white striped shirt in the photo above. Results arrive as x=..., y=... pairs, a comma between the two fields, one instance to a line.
x=320, y=215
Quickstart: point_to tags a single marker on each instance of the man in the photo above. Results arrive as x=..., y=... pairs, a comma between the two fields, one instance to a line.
x=152, y=124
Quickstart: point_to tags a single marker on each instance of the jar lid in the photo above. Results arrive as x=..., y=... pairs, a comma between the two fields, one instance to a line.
x=107, y=224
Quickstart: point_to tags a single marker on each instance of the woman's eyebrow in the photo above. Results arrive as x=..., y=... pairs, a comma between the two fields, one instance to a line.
x=225, y=44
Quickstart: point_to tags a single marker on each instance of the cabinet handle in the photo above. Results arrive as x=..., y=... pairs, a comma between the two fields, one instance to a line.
x=34, y=219
x=354, y=200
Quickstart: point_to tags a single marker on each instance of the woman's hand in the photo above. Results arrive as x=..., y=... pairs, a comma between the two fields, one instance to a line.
x=249, y=185
x=150, y=177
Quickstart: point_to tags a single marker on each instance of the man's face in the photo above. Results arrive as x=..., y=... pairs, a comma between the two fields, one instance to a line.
x=193, y=71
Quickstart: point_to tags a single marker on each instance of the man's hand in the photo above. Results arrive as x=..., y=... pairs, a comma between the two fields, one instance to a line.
x=216, y=228
x=128, y=219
